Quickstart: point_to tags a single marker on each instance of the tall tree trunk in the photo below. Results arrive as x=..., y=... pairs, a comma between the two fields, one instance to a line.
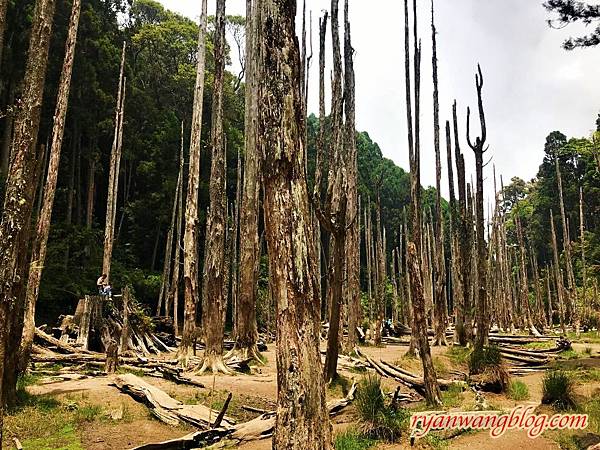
x=439, y=273
x=174, y=291
x=246, y=333
x=479, y=150
x=91, y=191
x=586, y=306
x=353, y=209
x=190, y=238
x=214, y=295
x=302, y=421
x=38, y=255
x=572, y=288
x=558, y=277
x=381, y=276
x=113, y=178
x=464, y=330
x=18, y=201
x=432, y=391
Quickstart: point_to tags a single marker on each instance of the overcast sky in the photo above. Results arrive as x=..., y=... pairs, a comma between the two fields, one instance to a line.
x=532, y=86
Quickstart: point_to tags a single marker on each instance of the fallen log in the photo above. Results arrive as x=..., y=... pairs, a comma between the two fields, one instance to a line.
x=165, y=407
x=524, y=359
x=60, y=344
x=260, y=427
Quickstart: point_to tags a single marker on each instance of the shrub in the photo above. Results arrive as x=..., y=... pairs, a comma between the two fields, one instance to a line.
x=452, y=397
x=378, y=421
x=458, y=354
x=517, y=390
x=558, y=390
x=352, y=440
x=486, y=368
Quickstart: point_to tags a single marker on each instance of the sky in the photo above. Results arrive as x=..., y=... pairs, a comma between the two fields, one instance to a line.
x=531, y=85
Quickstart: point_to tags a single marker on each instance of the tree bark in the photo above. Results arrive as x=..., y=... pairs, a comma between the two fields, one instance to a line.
x=558, y=277
x=479, y=150
x=174, y=292
x=302, y=421
x=113, y=177
x=439, y=273
x=353, y=209
x=214, y=295
x=246, y=333
x=18, y=201
x=190, y=238
x=38, y=254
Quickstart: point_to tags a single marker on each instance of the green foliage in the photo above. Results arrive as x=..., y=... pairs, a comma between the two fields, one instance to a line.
x=568, y=354
x=592, y=409
x=485, y=357
x=352, y=440
x=558, y=390
x=517, y=390
x=458, y=354
x=452, y=397
x=378, y=420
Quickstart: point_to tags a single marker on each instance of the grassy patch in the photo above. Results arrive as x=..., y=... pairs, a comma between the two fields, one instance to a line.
x=517, y=390
x=568, y=354
x=133, y=371
x=378, y=420
x=588, y=337
x=458, y=354
x=435, y=441
x=540, y=345
x=592, y=409
x=558, y=390
x=64, y=439
x=440, y=366
x=352, y=440
x=452, y=397
x=587, y=374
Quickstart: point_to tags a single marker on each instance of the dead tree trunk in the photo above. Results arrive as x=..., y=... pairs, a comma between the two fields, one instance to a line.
x=299, y=424
x=125, y=331
x=333, y=215
x=353, y=209
x=479, y=150
x=439, y=273
x=38, y=254
x=319, y=160
x=113, y=178
x=166, y=275
x=214, y=295
x=526, y=308
x=558, y=277
x=464, y=331
x=432, y=390
x=246, y=334
x=190, y=238
x=584, y=302
x=173, y=294
x=572, y=288
x=18, y=201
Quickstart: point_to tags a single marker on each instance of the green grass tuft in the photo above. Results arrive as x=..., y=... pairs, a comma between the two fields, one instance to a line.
x=452, y=397
x=458, y=354
x=517, y=390
x=558, y=390
x=352, y=440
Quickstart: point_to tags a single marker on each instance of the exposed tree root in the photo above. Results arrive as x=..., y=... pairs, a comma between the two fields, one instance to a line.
x=214, y=364
x=245, y=353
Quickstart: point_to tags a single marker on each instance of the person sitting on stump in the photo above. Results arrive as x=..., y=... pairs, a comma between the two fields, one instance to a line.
x=103, y=286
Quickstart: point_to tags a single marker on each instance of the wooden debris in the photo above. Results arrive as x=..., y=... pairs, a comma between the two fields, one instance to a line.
x=165, y=407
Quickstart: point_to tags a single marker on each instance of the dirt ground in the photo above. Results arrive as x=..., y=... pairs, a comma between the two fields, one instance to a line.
x=259, y=390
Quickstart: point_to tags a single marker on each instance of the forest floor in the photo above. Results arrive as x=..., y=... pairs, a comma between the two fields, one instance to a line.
x=93, y=414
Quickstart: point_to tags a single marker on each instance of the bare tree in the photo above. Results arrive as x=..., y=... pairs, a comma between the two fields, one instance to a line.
x=38, y=254
x=352, y=209
x=419, y=324
x=479, y=150
x=214, y=295
x=302, y=421
x=246, y=334
x=439, y=273
x=190, y=238
x=113, y=177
